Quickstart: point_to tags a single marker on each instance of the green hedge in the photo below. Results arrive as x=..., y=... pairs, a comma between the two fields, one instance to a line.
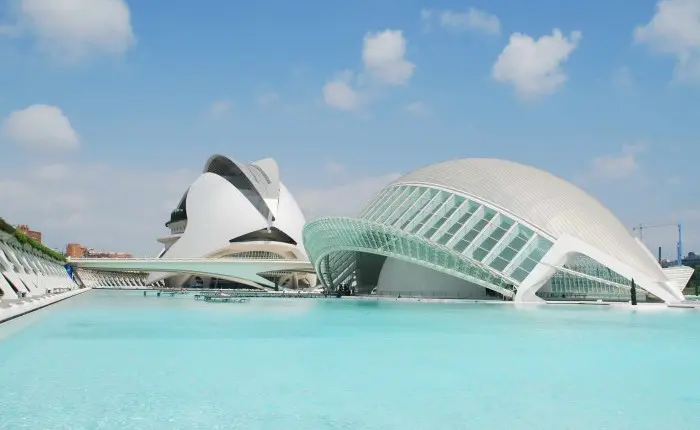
x=26, y=240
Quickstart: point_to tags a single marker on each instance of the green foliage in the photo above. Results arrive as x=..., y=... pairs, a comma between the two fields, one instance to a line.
x=26, y=240
x=7, y=228
x=694, y=282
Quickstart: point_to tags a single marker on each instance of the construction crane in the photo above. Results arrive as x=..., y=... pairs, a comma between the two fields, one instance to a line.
x=679, y=245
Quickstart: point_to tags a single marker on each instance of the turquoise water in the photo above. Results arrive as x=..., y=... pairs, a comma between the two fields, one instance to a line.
x=117, y=360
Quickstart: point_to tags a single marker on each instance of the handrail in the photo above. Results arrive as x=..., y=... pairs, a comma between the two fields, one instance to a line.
x=84, y=260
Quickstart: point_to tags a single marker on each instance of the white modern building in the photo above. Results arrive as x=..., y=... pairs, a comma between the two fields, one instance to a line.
x=25, y=272
x=112, y=279
x=237, y=211
x=479, y=228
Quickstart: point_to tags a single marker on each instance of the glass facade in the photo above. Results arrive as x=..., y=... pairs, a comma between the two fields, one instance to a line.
x=453, y=234
x=584, y=278
x=434, y=227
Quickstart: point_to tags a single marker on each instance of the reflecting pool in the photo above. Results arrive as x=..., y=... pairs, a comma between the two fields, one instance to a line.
x=118, y=360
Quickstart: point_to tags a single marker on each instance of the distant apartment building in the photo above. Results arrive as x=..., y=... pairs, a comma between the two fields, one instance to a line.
x=93, y=254
x=75, y=250
x=36, y=235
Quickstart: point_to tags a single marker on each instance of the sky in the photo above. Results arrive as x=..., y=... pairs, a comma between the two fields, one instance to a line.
x=109, y=108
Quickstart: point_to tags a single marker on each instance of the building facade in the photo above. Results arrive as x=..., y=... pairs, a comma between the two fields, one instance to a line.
x=486, y=228
x=75, y=250
x=36, y=235
x=238, y=211
x=26, y=272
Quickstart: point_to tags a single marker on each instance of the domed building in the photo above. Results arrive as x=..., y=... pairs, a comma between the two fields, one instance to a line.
x=235, y=210
x=486, y=228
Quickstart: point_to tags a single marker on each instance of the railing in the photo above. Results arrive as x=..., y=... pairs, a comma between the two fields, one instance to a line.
x=591, y=296
x=438, y=295
x=287, y=294
x=199, y=259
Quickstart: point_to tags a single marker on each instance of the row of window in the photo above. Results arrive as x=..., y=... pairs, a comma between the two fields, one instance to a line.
x=467, y=227
x=568, y=284
x=334, y=235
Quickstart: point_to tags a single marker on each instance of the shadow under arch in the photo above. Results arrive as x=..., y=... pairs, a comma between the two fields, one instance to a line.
x=236, y=176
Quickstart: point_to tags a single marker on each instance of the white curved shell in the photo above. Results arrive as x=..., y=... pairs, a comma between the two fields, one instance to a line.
x=513, y=229
x=548, y=203
x=218, y=211
x=263, y=174
x=289, y=218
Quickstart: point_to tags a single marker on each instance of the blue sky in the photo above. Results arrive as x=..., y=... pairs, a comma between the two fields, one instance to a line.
x=345, y=96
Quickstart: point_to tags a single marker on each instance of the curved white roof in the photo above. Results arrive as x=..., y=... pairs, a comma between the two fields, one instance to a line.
x=218, y=210
x=541, y=199
x=262, y=174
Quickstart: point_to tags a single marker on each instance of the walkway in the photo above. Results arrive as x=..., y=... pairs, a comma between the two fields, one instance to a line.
x=226, y=268
x=13, y=308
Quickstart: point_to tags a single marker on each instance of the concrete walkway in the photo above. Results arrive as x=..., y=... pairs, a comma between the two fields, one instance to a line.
x=10, y=309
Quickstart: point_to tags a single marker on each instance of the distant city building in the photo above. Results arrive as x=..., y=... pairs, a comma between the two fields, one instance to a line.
x=692, y=259
x=75, y=250
x=36, y=235
x=93, y=254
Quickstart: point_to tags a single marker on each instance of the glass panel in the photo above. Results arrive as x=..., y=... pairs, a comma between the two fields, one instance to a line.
x=410, y=211
x=499, y=264
x=488, y=214
x=472, y=207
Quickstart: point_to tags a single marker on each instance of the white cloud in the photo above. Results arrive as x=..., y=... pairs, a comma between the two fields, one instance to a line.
x=220, y=108
x=383, y=56
x=675, y=29
x=338, y=93
x=52, y=172
x=426, y=17
x=346, y=199
x=417, y=108
x=617, y=166
x=102, y=206
x=268, y=98
x=40, y=127
x=72, y=29
x=473, y=19
x=534, y=67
